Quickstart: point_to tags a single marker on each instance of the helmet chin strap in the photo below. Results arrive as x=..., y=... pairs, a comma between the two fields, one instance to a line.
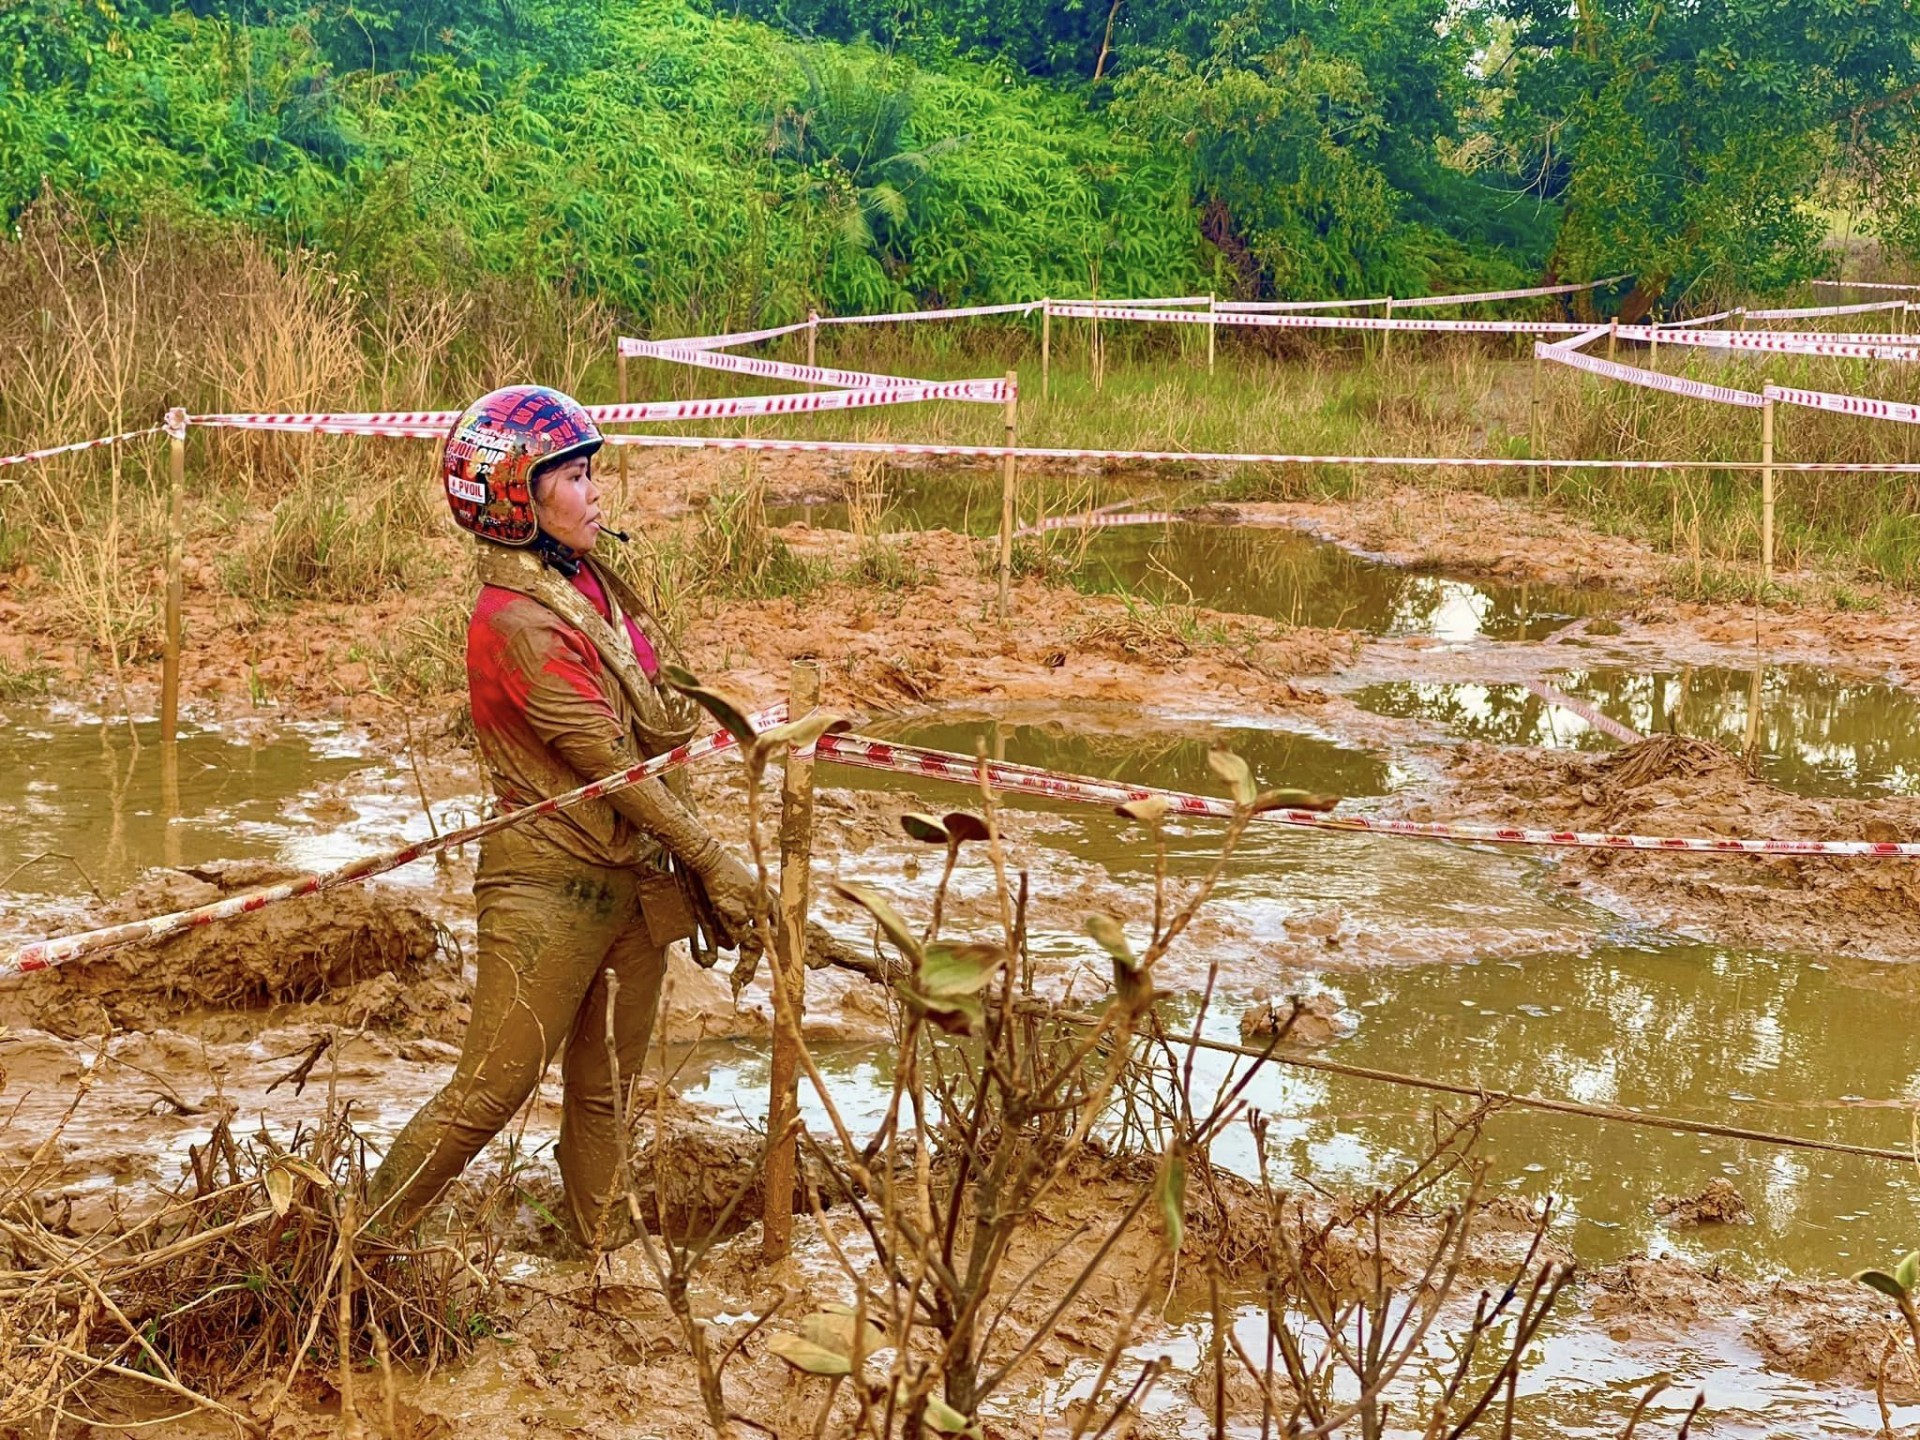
x=556, y=555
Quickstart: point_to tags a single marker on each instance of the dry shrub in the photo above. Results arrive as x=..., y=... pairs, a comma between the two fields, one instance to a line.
x=253, y=1277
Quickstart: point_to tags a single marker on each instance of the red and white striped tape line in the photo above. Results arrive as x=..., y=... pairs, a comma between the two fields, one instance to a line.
x=742, y=337
x=1289, y=307
x=870, y=754
x=1078, y=310
x=1527, y=294
x=42, y=954
x=1096, y=521
x=1599, y=720
x=764, y=369
x=1649, y=379
x=1808, y=312
x=433, y=424
x=962, y=312
x=1696, y=321
x=1779, y=342
x=1846, y=404
x=1223, y=457
x=1269, y=307
x=27, y=457
x=1862, y=285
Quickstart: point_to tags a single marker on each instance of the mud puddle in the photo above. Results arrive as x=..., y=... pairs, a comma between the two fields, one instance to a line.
x=76, y=784
x=301, y=796
x=1286, y=575
x=1276, y=572
x=1812, y=732
x=1291, y=902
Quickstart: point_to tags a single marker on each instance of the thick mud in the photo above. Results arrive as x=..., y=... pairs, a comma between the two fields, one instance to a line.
x=1765, y=993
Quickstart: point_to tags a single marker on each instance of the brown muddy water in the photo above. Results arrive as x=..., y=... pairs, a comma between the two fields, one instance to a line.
x=1460, y=964
x=74, y=784
x=1810, y=731
x=1274, y=572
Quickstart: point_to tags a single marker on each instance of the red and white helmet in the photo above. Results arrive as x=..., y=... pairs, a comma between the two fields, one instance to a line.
x=492, y=450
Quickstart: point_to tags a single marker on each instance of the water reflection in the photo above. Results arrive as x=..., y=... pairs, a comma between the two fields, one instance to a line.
x=1286, y=575
x=74, y=786
x=1815, y=733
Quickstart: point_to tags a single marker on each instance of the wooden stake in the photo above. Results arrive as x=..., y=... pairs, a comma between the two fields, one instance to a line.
x=813, y=333
x=1046, y=347
x=1386, y=336
x=1766, y=491
x=789, y=971
x=621, y=371
x=1212, y=327
x=1533, y=429
x=1613, y=336
x=176, y=560
x=1012, y=421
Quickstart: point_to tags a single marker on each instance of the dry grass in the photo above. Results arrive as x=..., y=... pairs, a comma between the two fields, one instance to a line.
x=254, y=1277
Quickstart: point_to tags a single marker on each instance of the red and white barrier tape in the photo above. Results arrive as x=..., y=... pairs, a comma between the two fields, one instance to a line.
x=1024, y=307
x=1861, y=285
x=74, y=449
x=432, y=424
x=1695, y=321
x=865, y=753
x=1600, y=721
x=742, y=337
x=1078, y=310
x=1778, y=342
x=1096, y=521
x=1808, y=312
x=764, y=369
x=1412, y=302
x=42, y=954
x=1288, y=307
x=1528, y=294
x=1649, y=379
x=1222, y=457
x=1846, y=404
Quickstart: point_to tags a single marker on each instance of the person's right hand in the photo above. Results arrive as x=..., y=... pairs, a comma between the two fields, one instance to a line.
x=736, y=894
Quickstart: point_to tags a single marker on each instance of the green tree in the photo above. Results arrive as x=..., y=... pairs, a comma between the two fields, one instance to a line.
x=1687, y=141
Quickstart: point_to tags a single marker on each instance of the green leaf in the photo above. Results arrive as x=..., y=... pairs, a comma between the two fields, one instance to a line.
x=1293, y=800
x=1150, y=810
x=730, y=712
x=808, y=1356
x=1883, y=1282
x=954, y=1014
x=889, y=919
x=948, y=970
x=927, y=829
x=1232, y=769
x=1111, y=938
x=1170, y=1193
x=1908, y=1270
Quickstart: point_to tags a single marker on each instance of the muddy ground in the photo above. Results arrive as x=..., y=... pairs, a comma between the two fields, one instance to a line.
x=167, y=1039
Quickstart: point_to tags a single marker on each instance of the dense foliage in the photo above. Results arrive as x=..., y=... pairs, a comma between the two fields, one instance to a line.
x=694, y=168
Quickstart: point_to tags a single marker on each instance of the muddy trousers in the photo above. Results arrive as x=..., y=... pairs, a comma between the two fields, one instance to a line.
x=549, y=925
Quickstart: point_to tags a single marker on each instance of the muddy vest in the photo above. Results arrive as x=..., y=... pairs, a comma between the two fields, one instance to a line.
x=540, y=658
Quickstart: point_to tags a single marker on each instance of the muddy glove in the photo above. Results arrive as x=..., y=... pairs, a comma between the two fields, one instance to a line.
x=732, y=889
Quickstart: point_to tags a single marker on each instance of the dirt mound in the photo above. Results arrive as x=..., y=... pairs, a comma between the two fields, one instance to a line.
x=1836, y=1330
x=299, y=950
x=1680, y=786
x=1718, y=1204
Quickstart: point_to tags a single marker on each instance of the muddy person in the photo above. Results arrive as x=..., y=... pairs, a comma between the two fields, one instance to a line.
x=563, y=675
